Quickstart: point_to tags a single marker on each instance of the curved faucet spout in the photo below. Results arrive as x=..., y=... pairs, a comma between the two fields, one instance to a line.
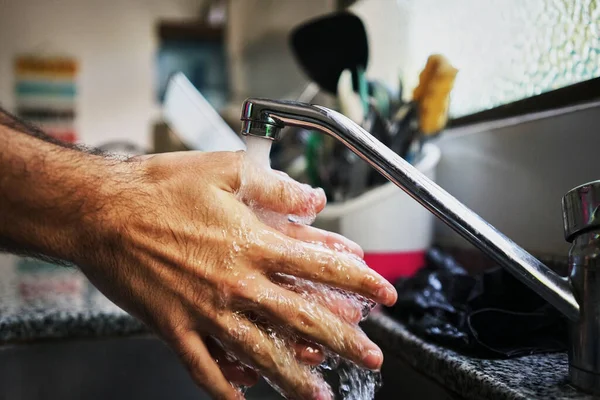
x=266, y=118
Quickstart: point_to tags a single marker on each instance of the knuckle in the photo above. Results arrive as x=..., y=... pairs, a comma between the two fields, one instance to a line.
x=240, y=289
x=194, y=296
x=366, y=281
x=271, y=255
x=228, y=165
x=281, y=192
x=252, y=344
x=264, y=358
x=153, y=168
x=236, y=162
x=326, y=265
x=235, y=159
x=305, y=319
x=175, y=331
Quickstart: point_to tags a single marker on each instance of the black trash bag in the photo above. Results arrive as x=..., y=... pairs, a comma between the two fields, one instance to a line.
x=491, y=315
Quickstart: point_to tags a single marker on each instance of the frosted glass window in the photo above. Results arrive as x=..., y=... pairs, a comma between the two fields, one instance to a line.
x=506, y=50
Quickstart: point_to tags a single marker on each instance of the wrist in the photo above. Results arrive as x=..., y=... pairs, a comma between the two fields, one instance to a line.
x=103, y=206
x=51, y=198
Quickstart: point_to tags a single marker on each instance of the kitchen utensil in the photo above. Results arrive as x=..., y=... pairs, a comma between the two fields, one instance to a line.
x=358, y=176
x=432, y=98
x=350, y=103
x=309, y=93
x=362, y=176
x=383, y=128
x=382, y=97
x=338, y=167
x=312, y=159
x=326, y=46
x=432, y=95
x=362, y=87
x=195, y=121
x=404, y=129
x=400, y=94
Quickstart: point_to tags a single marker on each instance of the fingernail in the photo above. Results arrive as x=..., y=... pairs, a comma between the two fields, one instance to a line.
x=318, y=196
x=355, y=248
x=312, y=355
x=319, y=192
x=387, y=295
x=323, y=394
x=373, y=359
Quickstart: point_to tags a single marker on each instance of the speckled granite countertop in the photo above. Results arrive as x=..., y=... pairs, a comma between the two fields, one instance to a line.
x=532, y=377
x=39, y=301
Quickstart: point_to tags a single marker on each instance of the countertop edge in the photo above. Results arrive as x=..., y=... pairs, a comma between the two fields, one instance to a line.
x=442, y=365
x=20, y=329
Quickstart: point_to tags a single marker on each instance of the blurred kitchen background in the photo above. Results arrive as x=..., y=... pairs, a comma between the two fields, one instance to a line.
x=496, y=100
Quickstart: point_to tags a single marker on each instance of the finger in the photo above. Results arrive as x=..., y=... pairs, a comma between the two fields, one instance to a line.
x=274, y=358
x=233, y=370
x=346, y=306
x=318, y=264
x=348, y=310
x=309, y=353
x=332, y=240
x=202, y=368
x=312, y=321
x=278, y=192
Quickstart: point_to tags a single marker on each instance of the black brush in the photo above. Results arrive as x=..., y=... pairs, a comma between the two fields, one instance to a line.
x=326, y=46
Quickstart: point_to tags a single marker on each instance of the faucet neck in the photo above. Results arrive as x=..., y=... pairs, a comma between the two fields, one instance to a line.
x=555, y=289
x=590, y=238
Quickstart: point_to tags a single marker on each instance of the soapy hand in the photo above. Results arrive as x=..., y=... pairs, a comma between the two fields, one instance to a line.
x=184, y=252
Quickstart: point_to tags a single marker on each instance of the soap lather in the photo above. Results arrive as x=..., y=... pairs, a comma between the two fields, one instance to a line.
x=577, y=297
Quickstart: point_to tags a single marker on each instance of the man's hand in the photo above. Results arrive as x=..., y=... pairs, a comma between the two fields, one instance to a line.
x=170, y=240
x=183, y=254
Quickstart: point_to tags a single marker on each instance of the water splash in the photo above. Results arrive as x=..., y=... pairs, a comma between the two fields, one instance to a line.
x=351, y=381
x=258, y=150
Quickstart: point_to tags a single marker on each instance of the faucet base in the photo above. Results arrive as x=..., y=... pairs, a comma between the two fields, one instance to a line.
x=584, y=380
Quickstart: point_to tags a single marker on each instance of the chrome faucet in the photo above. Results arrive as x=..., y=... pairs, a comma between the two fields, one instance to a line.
x=576, y=296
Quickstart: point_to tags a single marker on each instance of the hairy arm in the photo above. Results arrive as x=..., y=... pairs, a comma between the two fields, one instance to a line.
x=50, y=192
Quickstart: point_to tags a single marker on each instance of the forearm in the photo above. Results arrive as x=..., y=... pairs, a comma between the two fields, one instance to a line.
x=50, y=194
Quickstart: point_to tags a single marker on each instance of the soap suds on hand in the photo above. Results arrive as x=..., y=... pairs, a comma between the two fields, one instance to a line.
x=353, y=382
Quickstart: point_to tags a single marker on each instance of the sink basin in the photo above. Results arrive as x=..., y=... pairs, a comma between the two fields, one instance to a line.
x=140, y=367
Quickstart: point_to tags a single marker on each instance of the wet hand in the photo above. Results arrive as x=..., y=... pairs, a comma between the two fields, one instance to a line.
x=182, y=251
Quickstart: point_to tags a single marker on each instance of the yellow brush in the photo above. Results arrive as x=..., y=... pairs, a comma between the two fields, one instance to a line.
x=432, y=95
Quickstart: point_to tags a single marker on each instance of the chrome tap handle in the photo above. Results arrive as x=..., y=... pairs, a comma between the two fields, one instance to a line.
x=581, y=217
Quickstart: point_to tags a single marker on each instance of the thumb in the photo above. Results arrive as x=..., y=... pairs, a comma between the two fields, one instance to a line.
x=276, y=191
